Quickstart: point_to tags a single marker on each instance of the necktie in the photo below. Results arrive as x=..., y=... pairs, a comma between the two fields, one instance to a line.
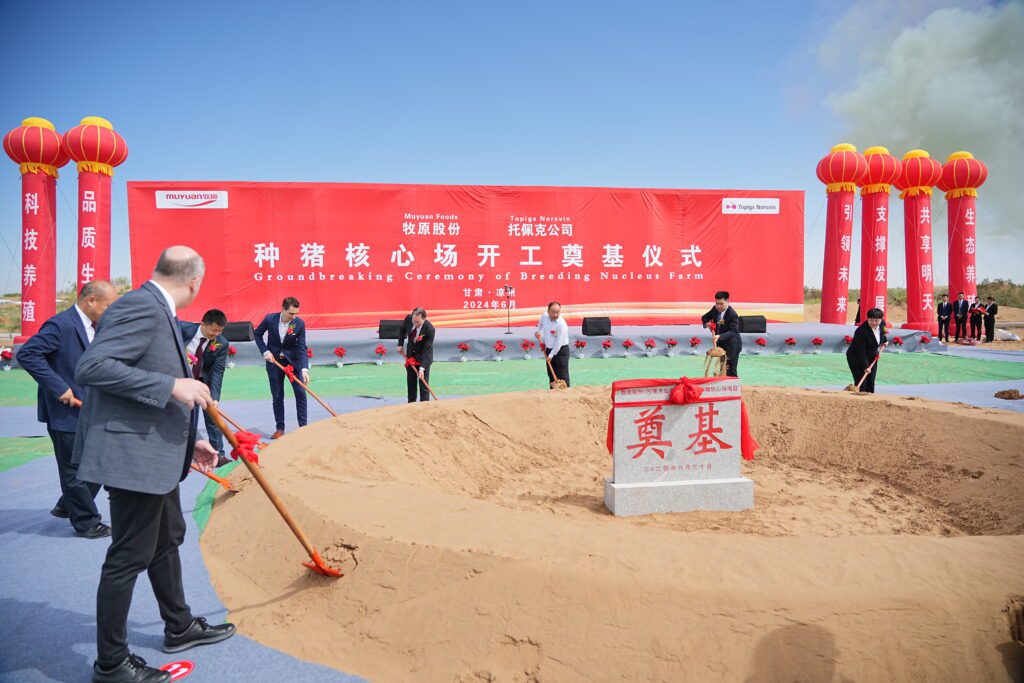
x=94, y=324
x=197, y=369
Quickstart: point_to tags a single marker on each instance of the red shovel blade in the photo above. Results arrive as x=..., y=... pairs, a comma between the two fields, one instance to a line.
x=317, y=565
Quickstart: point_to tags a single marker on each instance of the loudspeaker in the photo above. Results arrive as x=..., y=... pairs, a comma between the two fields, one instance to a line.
x=389, y=329
x=239, y=332
x=597, y=327
x=753, y=324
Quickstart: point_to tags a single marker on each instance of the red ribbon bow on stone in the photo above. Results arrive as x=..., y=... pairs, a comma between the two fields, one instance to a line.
x=685, y=392
x=248, y=445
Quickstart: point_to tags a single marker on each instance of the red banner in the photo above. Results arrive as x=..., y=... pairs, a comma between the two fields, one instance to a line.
x=38, y=252
x=93, y=227
x=356, y=253
x=874, y=252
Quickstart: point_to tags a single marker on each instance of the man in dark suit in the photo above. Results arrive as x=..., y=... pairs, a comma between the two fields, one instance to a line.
x=205, y=343
x=868, y=341
x=51, y=356
x=991, y=310
x=977, y=319
x=945, y=310
x=420, y=345
x=286, y=341
x=137, y=437
x=727, y=331
x=960, y=309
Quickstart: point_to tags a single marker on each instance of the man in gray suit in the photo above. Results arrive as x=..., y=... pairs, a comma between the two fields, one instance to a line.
x=137, y=437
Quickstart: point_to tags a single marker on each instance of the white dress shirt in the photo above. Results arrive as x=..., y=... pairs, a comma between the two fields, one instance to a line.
x=170, y=301
x=194, y=344
x=878, y=334
x=282, y=328
x=90, y=333
x=553, y=334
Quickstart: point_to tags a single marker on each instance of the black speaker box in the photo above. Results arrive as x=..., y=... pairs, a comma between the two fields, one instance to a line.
x=597, y=327
x=389, y=329
x=239, y=332
x=753, y=324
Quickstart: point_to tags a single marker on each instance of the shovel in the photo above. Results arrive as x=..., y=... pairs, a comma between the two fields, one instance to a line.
x=413, y=364
x=558, y=383
x=316, y=563
x=856, y=389
x=305, y=386
x=220, y=480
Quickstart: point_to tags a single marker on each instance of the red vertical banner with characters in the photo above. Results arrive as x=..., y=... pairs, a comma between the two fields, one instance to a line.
x=97, y=148
x=35, y=147
x=840, y=170
x=883, y=170
x=354, y=254
x=919, y=173
x=962, y=175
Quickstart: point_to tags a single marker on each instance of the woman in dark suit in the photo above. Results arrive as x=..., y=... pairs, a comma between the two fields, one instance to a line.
x=868, y=341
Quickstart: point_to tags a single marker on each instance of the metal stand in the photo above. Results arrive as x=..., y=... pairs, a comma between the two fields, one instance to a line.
x=509, y=293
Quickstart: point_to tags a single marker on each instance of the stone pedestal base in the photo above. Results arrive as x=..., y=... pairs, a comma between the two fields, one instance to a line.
x=625, y=500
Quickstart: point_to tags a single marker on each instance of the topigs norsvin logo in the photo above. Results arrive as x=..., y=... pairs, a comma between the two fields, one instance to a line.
x=192, y=199
x=748, y=206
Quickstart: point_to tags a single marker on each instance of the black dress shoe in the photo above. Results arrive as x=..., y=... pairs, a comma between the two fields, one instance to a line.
x=222, y=460
x=58, y=511
x=197, y=633
x=97, y=530
x=132, y=670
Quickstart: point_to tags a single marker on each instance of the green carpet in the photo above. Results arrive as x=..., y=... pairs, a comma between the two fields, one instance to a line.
x=16, y=451
x=484, y=377
x=204, y=501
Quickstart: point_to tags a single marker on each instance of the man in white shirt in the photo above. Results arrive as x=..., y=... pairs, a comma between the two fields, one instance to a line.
x=553, y=335
x=208, y=354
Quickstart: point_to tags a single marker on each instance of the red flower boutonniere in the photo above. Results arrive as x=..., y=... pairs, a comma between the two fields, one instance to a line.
x=214, y=347
x=419, y=339
x=192, y=359
x=291, y=329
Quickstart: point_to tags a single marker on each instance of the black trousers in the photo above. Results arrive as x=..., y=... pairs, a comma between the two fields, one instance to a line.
x=960, y=327
x=732, y=361
x=561, y=365
x=857, y=368
x=147, y=530
x=412, y=381
x=78, y=498
x=277, y=380
x=990, y=328
x=975, y=327
x=944, y=329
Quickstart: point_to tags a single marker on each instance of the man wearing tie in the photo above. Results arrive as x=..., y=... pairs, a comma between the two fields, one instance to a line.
x=286, y=342
x=977, y=318
x=403, y=333
x=960, y=309
x=208, y=352
x=137, y=437
x=727, y=331
x=420, y=345
x=51, y=356
x=945, y=311
x=991, y=310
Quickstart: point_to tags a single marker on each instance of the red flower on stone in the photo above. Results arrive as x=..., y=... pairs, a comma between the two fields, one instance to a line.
x=790, y=341
x=463, y=347
x=606, y=344
x=628, y=344
x=380, y=350
x=527, y=345
x=671, y=343
x=232, y=351
x=898, y=341
x=761, y=341
x=580, y=344
x=339, y=351
x=499, y=346
x=649, y=343
x=817, y=341
x=694, y=341
x=925, y=339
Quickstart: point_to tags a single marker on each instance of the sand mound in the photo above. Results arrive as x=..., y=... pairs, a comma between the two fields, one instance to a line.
x=884, y=545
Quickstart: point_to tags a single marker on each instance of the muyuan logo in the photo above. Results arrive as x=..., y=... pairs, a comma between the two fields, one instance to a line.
x=191, y=199
x=747, y=206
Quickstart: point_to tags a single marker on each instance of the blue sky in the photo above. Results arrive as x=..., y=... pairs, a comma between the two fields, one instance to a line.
x=689, y=95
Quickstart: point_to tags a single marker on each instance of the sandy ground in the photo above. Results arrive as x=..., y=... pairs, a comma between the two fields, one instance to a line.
x=885, y=544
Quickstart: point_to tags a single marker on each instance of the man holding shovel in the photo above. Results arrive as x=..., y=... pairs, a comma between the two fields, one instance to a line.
x=727, y=331
x=553, y=336
x=868, y=341
x=420, y=356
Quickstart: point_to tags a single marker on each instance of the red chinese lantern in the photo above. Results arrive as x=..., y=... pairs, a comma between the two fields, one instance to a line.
x=840, y=170
x=36, y=147
x=883, y=170
x=919, y=174
x=97, y=148
x=962, y=175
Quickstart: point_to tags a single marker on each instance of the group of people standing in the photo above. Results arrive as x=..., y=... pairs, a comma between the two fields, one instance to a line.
x=960, y=312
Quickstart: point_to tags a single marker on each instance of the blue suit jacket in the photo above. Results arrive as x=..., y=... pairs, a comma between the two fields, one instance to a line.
x=214, y=362
x=292, y=347
x=51, y=356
